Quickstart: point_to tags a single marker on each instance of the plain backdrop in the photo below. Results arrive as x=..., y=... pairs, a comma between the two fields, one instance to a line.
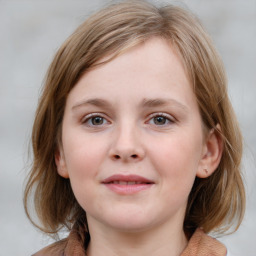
x=30, y=34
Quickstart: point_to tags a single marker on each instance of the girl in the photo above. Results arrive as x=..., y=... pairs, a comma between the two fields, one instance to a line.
x=136, y=147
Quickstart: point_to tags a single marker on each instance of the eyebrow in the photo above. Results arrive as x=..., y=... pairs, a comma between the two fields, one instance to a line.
x=95, y=102
x=159, y=102
x=146, y=103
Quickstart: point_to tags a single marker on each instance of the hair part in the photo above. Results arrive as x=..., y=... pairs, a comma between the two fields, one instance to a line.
x=215, y=203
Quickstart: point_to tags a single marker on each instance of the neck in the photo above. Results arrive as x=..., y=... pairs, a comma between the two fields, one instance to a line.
x=161, y=241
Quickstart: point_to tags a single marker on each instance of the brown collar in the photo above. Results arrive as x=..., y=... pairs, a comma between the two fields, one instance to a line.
x=199, y=244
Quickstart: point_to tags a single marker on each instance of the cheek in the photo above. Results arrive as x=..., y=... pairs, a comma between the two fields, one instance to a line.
x=178, y=156
x=83, y=156
x=83, y=161
x=79, y=146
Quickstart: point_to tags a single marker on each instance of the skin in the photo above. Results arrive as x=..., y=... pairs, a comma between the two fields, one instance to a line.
x=125, y=136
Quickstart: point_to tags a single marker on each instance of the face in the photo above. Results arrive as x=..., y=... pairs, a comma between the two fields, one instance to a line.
x=132, y=140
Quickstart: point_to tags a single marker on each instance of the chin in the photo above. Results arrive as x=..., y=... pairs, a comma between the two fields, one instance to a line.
x=130, y=222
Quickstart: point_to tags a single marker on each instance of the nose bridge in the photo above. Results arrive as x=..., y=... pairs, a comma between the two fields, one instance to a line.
x=127, y=142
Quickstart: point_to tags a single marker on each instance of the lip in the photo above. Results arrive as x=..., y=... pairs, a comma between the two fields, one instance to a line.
x=127, y=184
x=127, y=178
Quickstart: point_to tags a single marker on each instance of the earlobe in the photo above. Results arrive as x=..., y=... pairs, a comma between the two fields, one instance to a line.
x=212, y=153
x=61, y=164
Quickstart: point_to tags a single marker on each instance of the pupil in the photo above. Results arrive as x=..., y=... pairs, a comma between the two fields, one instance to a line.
x=160, y=120
x=97, y=120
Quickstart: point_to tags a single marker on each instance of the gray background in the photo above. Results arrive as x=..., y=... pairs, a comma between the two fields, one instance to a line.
x=31, y=32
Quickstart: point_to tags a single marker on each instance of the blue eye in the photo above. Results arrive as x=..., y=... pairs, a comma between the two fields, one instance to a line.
x=94, y=120
x=161, y=119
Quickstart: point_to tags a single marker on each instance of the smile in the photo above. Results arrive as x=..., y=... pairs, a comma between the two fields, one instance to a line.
x=127, y=184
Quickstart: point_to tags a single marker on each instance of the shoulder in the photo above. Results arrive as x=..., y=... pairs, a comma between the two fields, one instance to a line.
x=72, y=245
x=200, y=244
x=55, y=249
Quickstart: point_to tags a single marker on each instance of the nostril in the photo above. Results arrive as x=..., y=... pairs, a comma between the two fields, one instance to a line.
x=125, y=157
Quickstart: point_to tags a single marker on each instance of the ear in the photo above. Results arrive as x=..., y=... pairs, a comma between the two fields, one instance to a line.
x=61, y=164
x=212, y=153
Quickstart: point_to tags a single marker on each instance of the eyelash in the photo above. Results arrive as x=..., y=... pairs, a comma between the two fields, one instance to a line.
x=167, y=117
x=89, y=118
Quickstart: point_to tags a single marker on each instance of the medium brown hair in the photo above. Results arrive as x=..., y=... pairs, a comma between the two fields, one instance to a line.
x=215, y=203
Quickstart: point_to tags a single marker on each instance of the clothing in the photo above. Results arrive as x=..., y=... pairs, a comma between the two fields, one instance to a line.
x=199, y=244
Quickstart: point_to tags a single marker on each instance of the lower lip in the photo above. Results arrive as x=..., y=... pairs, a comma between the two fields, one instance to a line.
x=127, y=189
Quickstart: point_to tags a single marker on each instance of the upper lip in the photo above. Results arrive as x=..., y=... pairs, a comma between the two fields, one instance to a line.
x=127, y=178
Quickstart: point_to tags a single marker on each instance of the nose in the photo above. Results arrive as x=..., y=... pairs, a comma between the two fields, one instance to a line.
x=127, y=145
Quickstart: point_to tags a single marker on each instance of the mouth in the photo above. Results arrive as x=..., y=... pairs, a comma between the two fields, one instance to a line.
x=126, y=180
x=120, y=182
x=127, y=184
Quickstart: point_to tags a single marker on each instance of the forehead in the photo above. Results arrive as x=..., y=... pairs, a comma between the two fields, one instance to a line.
x=152, y=67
